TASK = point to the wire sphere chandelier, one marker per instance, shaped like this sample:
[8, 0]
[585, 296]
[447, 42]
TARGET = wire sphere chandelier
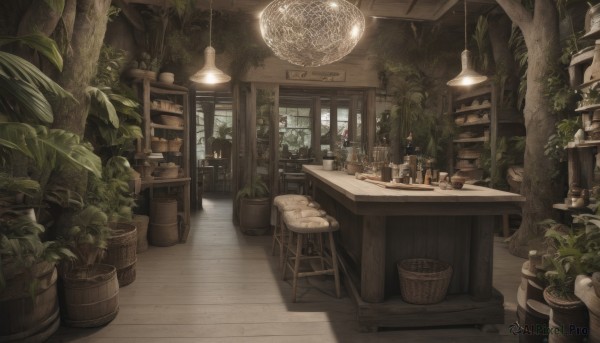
[311, 33]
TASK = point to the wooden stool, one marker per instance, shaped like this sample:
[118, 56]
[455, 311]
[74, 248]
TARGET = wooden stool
[300, 210]
[311, 225]
[282, 203]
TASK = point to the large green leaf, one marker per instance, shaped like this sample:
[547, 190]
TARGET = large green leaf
[39, 42]
[31, 103]
[18, 68]
[68, 146]
[56, 5]
[13, 136]
[100, 98]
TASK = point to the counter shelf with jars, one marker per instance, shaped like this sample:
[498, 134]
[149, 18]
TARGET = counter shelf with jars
[162, 155]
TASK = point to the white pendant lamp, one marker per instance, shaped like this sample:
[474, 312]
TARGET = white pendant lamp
[210, 74]
[468, 76]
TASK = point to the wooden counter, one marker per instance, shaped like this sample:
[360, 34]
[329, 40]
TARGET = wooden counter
[379, 227]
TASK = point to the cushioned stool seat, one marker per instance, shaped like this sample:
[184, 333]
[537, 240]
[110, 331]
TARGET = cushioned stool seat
[301, 225]
[283, 203]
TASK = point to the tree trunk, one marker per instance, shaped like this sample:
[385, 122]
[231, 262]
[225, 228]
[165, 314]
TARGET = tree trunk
[499, 31]
[80, 63]
[541, 34]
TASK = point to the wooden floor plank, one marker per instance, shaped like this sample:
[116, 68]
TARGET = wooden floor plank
[222, 286]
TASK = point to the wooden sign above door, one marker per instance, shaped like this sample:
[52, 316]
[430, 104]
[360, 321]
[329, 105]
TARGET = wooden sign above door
[316, 75]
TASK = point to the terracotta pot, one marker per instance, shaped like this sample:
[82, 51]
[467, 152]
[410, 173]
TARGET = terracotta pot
[166, 77]
[568, 313]
[255, 216]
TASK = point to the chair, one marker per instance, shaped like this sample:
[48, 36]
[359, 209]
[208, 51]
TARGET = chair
[298, 180]
[222, 164]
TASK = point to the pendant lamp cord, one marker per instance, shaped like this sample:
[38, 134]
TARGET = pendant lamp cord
[465, 24]
[210, 26]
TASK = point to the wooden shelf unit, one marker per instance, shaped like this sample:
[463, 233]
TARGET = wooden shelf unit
[147, 91]
[582, 156]
[501, 122]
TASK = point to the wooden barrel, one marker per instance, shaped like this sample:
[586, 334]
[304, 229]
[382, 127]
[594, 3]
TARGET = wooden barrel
[163, 211]
[141, 223]
[121, 251]
[27, 318]
[91, 296]
[164, 235]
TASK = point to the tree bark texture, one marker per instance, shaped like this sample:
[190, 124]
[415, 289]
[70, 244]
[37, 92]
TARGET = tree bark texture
[80, 61]
[541, 34]
[39, 17]
[499, 31]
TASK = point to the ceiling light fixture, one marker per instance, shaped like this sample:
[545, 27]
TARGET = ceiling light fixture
[311, 33]
[210, 74]
[468, 76]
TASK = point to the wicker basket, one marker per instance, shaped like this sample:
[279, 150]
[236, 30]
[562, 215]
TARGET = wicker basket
[424, 281]
[167, 172]
[175, 145]
[171, 120]
[159, 146]
[469, 154]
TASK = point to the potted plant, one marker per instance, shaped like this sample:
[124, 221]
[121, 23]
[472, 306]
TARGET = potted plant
[255, 207]
[90, 289]
[28, 302]
[113, 195]
[571, 253]
[144, 67]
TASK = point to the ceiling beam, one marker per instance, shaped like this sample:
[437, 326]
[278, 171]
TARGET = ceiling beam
[445, 8]
[410, 6]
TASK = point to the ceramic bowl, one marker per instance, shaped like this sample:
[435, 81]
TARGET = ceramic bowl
[457, 181]
[166, 77]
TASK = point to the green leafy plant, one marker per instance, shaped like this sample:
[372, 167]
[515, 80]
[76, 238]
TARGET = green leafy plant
[111, 192]
[573, 253]
[146, 62]
[88, 236]
[25, 92]
[113, 121]
[256, 188]
[557, 143]
[20, 244]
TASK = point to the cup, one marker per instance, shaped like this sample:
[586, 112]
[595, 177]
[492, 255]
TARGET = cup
[443, 176]
[328, 164]
[386, 174]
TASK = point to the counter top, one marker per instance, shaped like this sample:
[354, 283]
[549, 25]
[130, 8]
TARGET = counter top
[361, 191]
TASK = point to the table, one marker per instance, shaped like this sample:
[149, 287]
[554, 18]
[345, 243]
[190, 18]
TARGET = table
[379, 227]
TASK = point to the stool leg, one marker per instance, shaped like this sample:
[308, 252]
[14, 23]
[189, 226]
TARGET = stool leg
[285, 256]
[275, 236]
[321, 251]
[297, 265]
[282, 245]
[334, 262]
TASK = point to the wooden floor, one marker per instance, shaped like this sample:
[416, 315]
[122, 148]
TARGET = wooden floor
[223, 286]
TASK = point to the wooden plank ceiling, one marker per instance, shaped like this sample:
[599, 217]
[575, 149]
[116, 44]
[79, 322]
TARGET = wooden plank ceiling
[416, 10]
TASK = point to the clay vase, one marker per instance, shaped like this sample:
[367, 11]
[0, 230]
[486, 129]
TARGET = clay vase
[567, 312]
[592, 73]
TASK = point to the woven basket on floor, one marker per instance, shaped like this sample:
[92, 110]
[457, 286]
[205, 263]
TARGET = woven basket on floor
[424, 281]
